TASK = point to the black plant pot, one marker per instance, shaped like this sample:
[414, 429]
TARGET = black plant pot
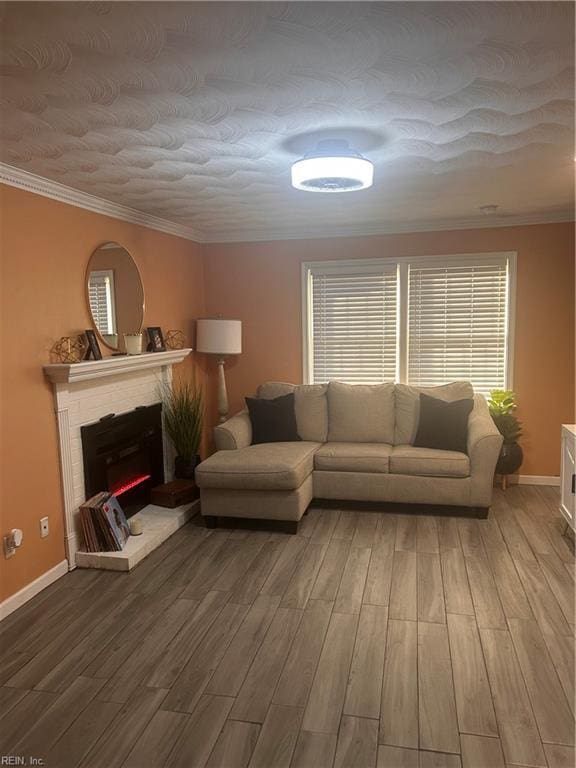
[184, 469]
[510, 459]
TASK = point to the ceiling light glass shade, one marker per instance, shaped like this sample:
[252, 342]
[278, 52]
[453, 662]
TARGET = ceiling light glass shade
[332, 167]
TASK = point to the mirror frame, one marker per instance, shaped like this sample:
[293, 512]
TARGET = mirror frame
[87, 292]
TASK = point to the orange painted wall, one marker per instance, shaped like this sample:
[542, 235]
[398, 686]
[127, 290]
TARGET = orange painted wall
[44, 249]
[259, 283]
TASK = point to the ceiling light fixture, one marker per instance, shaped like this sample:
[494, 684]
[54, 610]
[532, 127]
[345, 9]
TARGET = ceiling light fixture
[332, 167]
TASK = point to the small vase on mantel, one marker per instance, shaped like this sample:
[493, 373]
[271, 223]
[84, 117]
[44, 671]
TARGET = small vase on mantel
[133, 343]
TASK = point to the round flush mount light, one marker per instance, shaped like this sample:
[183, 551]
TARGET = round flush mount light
[332, 167]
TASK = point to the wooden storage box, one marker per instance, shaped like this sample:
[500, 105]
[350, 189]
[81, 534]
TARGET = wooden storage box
[174, 494]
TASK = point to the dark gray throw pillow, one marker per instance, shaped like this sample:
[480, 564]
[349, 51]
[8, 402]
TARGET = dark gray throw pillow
[442, 424]
[273, 420]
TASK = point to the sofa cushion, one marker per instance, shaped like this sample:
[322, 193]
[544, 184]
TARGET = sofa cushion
[353, 457]
[408, 405]
[267, 466]
[429, 462]
[443, 425]
[274, 420]
[310, 404]
[360, 413]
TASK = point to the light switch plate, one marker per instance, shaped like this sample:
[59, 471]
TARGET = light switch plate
[44, 527]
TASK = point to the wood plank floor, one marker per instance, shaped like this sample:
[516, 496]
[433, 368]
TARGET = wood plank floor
[366, 641]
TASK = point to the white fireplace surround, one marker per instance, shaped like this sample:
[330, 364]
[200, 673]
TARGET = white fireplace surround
[84, 393]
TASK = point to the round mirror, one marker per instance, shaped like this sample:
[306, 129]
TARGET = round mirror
[115, 294]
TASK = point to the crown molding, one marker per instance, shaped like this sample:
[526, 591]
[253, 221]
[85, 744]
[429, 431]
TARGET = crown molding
[16, 177]
[398, 228]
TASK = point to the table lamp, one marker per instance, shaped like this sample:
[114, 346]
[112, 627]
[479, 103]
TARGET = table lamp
[219, 337]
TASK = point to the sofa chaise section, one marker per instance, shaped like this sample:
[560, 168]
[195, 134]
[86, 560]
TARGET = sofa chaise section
[255, 481]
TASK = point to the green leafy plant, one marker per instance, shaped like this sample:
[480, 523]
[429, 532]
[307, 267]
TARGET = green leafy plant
[502, 404]
[183, 410]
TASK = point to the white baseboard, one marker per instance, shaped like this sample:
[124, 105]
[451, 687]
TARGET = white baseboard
[30, 590]
[538, 480]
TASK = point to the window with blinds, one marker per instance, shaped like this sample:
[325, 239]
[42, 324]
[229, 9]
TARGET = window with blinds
[100, 298]
[423, 321]
[457, 324]
[352, 325]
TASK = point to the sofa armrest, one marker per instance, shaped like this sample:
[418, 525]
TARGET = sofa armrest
[484, 444]
[234, 433]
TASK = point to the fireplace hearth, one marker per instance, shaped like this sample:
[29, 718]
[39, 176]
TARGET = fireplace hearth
[124, 455]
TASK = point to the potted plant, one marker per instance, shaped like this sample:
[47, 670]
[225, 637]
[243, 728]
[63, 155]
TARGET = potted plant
[183, 410]
[502, 404]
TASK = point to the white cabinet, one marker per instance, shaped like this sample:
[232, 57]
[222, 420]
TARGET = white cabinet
[567, 475]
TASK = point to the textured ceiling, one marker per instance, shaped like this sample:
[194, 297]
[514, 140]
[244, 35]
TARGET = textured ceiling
[193, 112]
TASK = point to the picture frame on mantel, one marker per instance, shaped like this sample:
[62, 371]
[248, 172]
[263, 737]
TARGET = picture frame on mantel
[155, 339]
[93, 350]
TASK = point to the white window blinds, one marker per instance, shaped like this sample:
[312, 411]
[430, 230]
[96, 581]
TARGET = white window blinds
[352, 317]
[457, 323]
[100, 297]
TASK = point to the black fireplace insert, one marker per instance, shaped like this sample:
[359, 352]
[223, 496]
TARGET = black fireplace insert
[124, 455]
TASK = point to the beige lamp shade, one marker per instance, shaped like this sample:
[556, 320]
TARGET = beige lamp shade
[219, 337]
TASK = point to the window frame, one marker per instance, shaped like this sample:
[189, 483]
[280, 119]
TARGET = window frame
[402, 264]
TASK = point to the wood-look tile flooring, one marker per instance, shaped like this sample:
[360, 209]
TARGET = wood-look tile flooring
[367, 640]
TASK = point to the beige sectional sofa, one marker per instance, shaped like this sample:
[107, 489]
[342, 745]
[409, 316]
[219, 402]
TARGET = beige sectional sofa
[356, 446]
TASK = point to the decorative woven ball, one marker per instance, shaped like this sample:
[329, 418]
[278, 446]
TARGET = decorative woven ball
[174, 340]
[68, 349]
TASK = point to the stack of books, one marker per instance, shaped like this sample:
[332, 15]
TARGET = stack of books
[104, 524]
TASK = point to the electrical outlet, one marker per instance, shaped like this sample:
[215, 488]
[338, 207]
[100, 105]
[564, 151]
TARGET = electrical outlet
[44, 527]
[12, 541]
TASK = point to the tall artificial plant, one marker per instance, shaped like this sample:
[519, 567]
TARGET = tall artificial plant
[502, 404]
[183, 410]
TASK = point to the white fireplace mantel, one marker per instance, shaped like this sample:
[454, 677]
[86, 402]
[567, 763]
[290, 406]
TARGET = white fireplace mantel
[87, 391]
[59, 373]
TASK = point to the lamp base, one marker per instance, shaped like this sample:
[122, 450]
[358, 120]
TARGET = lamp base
[222, 394]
